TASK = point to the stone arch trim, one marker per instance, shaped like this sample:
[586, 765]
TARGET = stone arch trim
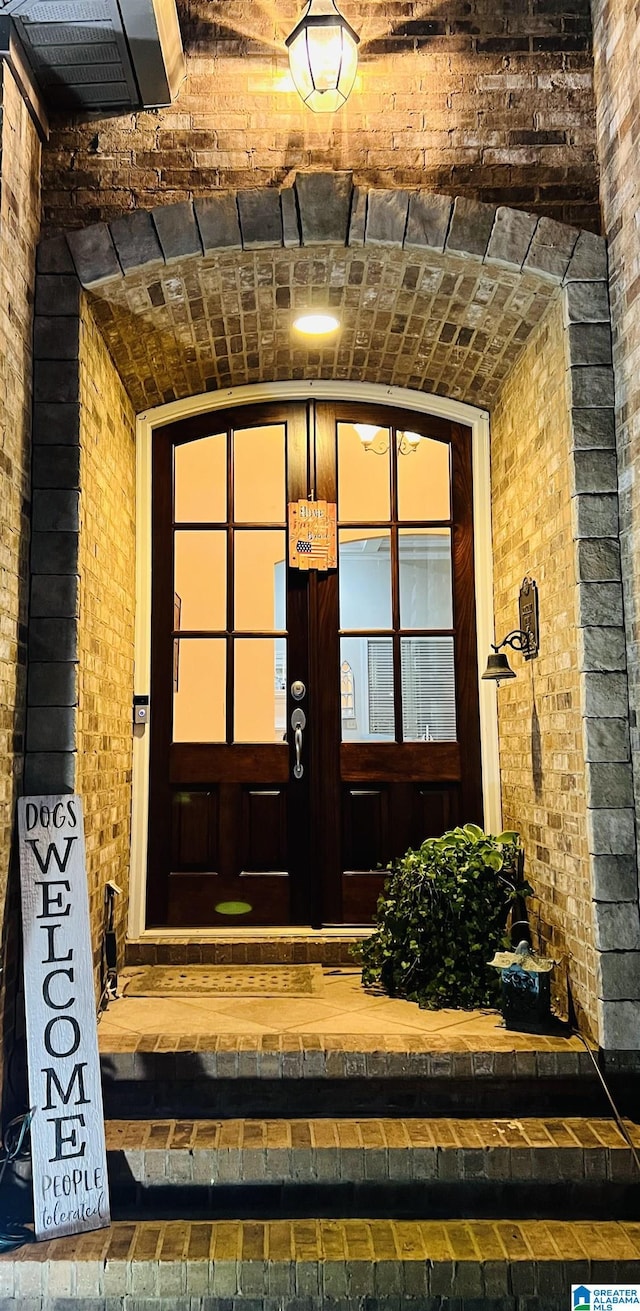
[324, 209]
[327, 210]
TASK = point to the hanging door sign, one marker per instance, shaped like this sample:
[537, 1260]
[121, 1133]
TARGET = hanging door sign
[312, 535]
[69, 1161]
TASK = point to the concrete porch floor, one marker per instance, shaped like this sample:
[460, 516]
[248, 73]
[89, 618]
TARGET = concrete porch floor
[342, 1011]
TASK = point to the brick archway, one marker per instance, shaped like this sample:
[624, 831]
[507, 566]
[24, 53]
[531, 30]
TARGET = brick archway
[435, 294]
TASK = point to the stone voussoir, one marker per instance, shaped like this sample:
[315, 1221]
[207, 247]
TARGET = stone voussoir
[260, 219]
[94, 255]
[386, 218]
[589, 259]
[551, 249]
[218, 221]
[136, 241]
[428, 221]
[511, 237]
[289, 213]
[177, 230]
[471, 227]
[358, 216]
[324, 205]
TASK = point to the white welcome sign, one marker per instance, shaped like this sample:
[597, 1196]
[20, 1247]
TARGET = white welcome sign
[69, 1163]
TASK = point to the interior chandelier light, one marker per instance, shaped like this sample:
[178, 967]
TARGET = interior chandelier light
[377, 439]
[323, 56]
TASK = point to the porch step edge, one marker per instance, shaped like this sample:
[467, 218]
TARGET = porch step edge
[158, 1154]
[348, 1057]
[315, 947]
[319, 1261]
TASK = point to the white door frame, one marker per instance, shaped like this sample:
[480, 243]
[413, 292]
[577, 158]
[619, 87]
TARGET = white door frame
[403, 398]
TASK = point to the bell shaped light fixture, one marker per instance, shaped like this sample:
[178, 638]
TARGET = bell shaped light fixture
[323, 56]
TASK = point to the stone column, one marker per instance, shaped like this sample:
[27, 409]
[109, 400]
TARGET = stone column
[53, 636]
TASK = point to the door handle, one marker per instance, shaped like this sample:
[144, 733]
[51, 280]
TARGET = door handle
[298, 723]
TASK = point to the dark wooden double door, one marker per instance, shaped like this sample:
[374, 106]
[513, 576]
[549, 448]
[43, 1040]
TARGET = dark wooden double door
[379, 655]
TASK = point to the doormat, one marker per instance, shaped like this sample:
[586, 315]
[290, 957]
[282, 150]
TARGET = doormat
[226, 980]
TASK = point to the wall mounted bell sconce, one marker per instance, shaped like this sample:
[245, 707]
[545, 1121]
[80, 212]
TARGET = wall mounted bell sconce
[526, 638]
[323, 56]
[376, 439]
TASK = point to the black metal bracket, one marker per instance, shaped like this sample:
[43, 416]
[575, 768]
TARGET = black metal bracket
[526, 638]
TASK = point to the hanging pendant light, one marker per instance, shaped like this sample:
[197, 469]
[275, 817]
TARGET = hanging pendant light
[323, 56]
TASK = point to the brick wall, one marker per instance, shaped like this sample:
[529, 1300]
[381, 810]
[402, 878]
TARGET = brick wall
[540, 721]
[618, 118]
[106, 565]
[19, 226]
[480, 100]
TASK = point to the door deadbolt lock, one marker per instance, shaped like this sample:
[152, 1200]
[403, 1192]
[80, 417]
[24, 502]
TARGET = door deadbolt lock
[298, 690]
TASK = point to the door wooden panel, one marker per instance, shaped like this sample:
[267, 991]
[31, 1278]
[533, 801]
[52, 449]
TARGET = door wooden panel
[233, 838]
[194, 830]
[366, 827]
[379, 826]
[264, 830]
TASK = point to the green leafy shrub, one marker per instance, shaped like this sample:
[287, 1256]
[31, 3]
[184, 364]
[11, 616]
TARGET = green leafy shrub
[441, 917]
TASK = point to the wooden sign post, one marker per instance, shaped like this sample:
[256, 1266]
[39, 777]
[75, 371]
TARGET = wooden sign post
[70, 1191]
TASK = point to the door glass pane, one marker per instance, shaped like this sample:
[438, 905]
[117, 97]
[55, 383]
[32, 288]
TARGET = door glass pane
[365, 578]
[199, 691]
[259, 481]
[259, 580]
[200, 580]
[423, 477]
[200, 480]
[425, 578]
[366, 689]
[428, 689]
[260, 683]
[363, 472]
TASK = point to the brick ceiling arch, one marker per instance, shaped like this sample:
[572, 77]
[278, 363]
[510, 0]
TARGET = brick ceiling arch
[432, 293]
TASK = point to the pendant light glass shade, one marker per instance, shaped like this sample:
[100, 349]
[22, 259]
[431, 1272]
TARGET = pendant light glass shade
[323, 57]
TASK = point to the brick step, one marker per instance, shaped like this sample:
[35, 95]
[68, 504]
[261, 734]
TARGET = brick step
[306, 947]
[252, 1151]
[316, 1264]
[236, 1168]
[309, 1077]
[249, 1168]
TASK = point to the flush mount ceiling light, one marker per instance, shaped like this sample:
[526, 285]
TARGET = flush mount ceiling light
[316, 323]
[323, 56]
